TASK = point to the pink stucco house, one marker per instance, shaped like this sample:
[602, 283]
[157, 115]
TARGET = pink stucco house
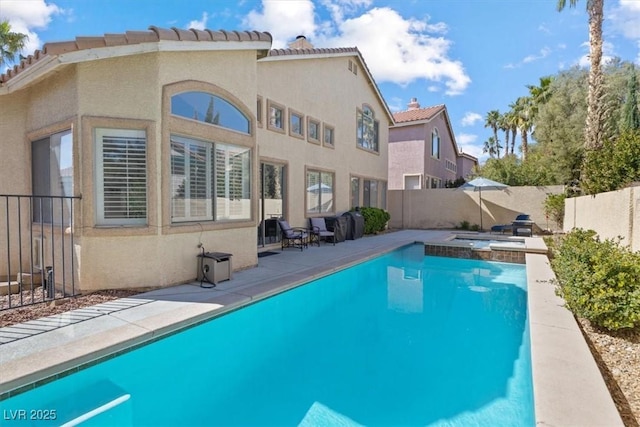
[422, 149]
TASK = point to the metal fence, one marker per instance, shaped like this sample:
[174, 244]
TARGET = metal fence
[37, 262]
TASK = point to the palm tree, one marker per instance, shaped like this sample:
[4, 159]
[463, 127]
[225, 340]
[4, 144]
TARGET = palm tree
[10, 43]
[595, 122]
[492, 121]
[510, 119]
[522, 111]
[503, 125]
[492, 146]
[539, 94]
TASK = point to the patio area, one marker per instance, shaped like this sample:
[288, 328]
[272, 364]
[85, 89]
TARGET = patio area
[568, 387]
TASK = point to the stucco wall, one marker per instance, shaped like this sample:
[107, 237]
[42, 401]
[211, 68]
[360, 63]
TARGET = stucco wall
[327, 91]
[611, 214]
[405, 158]
[447, 208]
[404, 152]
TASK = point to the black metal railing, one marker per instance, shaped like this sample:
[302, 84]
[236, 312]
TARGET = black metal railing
[37, 262]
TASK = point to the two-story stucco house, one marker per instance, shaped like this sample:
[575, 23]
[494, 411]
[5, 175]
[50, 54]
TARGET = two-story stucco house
[131, 151]
[423, 152]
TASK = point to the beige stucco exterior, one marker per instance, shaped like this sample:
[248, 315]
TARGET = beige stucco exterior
[325, 90]
[612, 214]
[133, 91]
[447, 208]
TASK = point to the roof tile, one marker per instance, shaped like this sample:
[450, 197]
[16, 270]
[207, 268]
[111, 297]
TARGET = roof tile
[417, 114]
[164, 33]
[90, 42]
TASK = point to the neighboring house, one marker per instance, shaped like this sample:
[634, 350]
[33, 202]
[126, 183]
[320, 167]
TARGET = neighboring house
[170, 137]
[422, 149]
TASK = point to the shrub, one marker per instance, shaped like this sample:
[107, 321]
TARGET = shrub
[375, 219]
[464, 225]
[599, 280]
[554, 208]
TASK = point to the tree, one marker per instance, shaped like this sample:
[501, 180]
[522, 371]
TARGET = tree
[614, 166]
[559, 125]
[492, 146]
[10, 43]
[596, 115]
[631, 114]
[492, 121]
[539, 94]
[522, 110]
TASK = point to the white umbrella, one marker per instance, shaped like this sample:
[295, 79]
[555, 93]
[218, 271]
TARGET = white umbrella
[316, 188]
[480, 184]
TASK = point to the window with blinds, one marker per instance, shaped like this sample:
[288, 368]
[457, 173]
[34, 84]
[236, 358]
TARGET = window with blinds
[190, 180]
[121, 176]
[209, 181]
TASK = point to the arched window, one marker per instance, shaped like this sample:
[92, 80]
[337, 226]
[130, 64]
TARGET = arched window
[211, 109]
[367, 129]
[435, 144]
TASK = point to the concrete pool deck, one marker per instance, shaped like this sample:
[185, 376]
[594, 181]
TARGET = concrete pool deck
[568, 387]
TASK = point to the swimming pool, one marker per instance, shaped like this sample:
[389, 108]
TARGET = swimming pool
[402, 339]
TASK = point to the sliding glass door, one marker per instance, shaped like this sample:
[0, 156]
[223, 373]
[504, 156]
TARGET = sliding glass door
[272, 202]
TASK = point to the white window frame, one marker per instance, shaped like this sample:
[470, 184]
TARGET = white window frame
[101, 219]
[435, 137]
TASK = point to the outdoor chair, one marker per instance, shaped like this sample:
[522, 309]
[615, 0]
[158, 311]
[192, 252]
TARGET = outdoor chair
[293, 237]
[319, 231]
[520, 219]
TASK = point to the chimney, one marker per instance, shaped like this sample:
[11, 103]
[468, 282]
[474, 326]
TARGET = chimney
[300, 43]
[413, 105]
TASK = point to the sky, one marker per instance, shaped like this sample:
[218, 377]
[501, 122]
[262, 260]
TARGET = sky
[473, 56]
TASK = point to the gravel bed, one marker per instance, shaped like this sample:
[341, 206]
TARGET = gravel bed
[617, 354]
[42, 309]
[618, 357]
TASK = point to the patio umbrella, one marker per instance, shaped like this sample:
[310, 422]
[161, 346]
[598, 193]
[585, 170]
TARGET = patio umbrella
[480, 184]
[316, 188]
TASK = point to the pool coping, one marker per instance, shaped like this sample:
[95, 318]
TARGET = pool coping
[568, 386]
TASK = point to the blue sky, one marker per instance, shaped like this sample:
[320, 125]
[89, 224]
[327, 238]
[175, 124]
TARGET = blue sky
[471, 55]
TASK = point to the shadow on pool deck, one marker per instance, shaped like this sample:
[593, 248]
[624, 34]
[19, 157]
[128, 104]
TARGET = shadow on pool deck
[568, 387]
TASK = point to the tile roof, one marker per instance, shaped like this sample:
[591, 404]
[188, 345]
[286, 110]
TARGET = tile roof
[153, 34]
[314, 51]
[418, 114]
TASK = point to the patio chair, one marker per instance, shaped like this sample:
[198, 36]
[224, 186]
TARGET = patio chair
[319, 230]
[501, 228]
[293, 237]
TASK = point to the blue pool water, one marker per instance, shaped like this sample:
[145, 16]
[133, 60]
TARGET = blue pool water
[403, 339]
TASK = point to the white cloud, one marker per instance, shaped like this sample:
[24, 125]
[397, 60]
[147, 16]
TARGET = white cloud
[466, 143]
[396, 104]
[400, 50]
[544, 29]
[607, 54]
[470, 119]
[544, 52]
[199, 24]
[298, 16]
[626, 18]
[27, 16]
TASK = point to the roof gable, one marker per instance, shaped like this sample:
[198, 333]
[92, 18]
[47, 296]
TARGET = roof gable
[313, 53]
[420, 116]
[51, 52]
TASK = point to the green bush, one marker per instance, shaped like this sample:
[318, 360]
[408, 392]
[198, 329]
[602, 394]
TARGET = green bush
[375, 219]
[599, 280]
[464, 225]
[554, 208]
